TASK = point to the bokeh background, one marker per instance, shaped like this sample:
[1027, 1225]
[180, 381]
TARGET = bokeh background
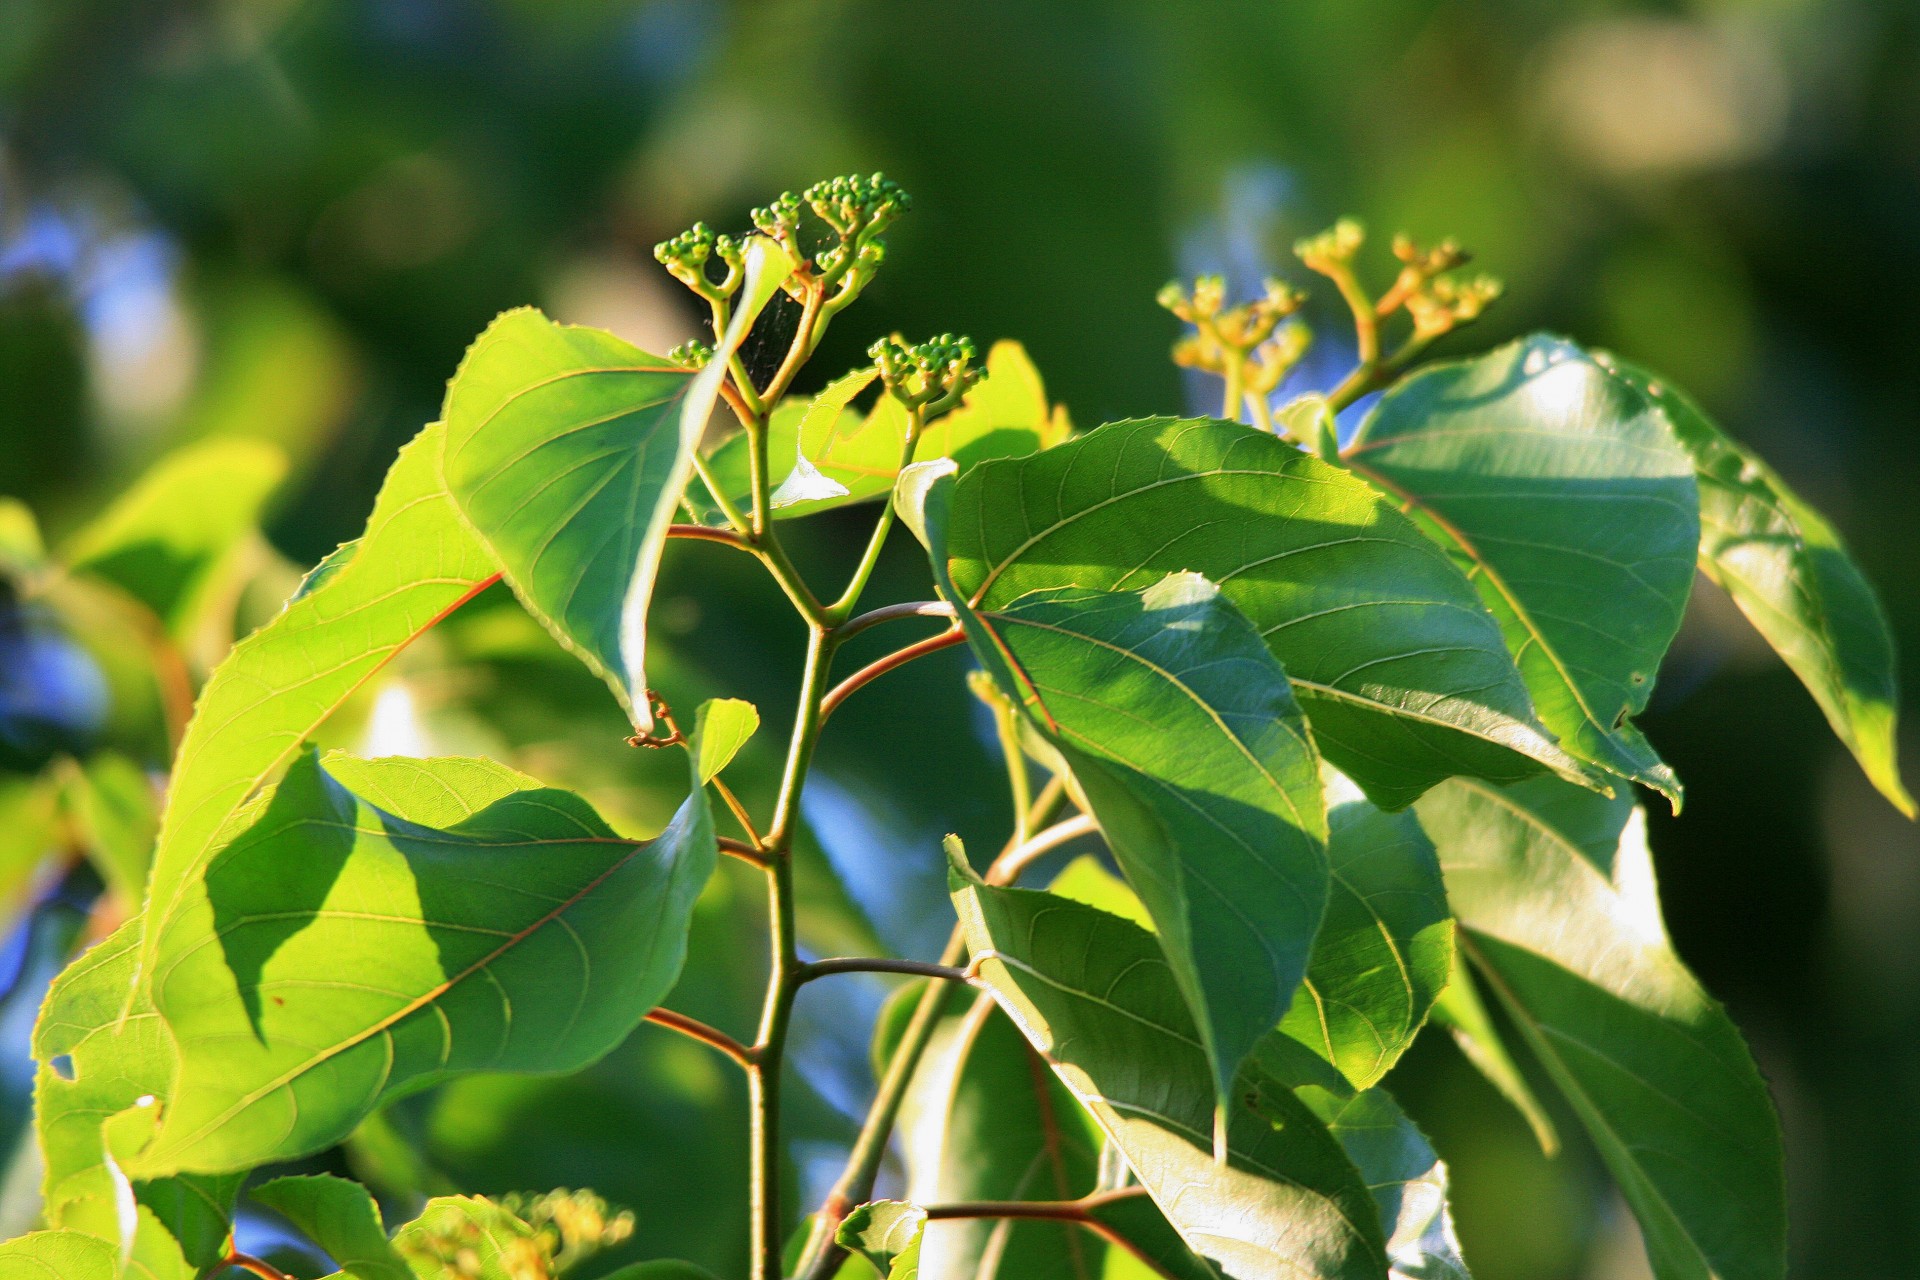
[284, 219]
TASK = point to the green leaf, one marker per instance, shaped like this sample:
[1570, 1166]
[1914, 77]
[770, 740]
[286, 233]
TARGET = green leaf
[1555, 895]
[415, 564]
[1384, 950]
[1460, 1011]
[1789, 572]
[721, 727]
[1086, 880]
[567, 451]
[983, 1119]
[467, 1236]
[1005, 415]
[1408, 1181]
[1397, 663]
[169, 539]
[1573, 507]
[100, 1060]
[116, 817]
[341, 1218]
[22, 552]
[1094, 995]
[888, 1234]
[382, 924]
[1183, 735]
[58, 1255]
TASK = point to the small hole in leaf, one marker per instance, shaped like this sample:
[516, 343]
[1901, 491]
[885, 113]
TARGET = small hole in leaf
[62, 1066]
[1621, 718]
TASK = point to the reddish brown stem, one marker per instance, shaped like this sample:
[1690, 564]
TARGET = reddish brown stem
[701, 533]
[742, 850]
[700, 1031]
[874, 670]
[247, 1262]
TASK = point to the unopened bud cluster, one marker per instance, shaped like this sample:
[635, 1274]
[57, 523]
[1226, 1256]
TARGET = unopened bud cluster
[571, 1225]
[932, 375]
[1435, 299]
[1249, 339]
[687, 257]
[692, 354]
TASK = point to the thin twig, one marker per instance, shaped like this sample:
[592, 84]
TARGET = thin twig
[698, 1030]
[1077, 1213]
[247, 1262]
[893, 612]
[739, 811]
[742, 850]
[1007, 867]
[702, 533]
[898, 658]
[881, 964]
[1063, 1210]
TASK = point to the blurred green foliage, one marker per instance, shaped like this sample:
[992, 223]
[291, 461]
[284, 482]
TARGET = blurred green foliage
[284, 219]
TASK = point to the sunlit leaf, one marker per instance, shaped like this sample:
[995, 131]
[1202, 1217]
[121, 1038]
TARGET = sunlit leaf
[1093, 993]
[381, 924]
[1182, 733]
[1397, 663]
[116, 816]
[59, 1255]
[1566, 497]
[168, 539]
[887, 1233]
[567, 451]
[1383, 952]
[101, 1059]
[1787, 569]
[341, 1218]
[1005, 415]
[414, 565]
[1555, 895]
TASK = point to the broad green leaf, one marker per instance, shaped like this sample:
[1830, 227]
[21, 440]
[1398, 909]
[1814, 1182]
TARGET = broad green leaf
[1565, 495]
[1460, 1010]
[469, 1237]
[1555, 895]
[1093, 993]
[168, 539]
[1183, 735]
[660, 1269]
[116, 817]
[567, 451]
[1005, 415]
[1408, 1181]
[99, 1060]
[984, 1119]
[341, 1218]
[1310, 421]
[58, 1255]
[29, 833]
[382, 924]
[1383, 952]
[888, 1234]
[1789, 572]
[415, 564]
[1397, 663]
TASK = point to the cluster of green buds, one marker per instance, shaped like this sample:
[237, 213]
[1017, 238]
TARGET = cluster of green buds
[571, 1226]
[930, 377]
[854, 210]
[687, 255]
[1248, 345]
[692, 354]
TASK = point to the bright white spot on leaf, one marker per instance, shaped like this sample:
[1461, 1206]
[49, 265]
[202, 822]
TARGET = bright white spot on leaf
[807, 483]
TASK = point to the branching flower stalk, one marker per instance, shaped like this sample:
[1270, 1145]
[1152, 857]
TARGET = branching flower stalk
[832, 230]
